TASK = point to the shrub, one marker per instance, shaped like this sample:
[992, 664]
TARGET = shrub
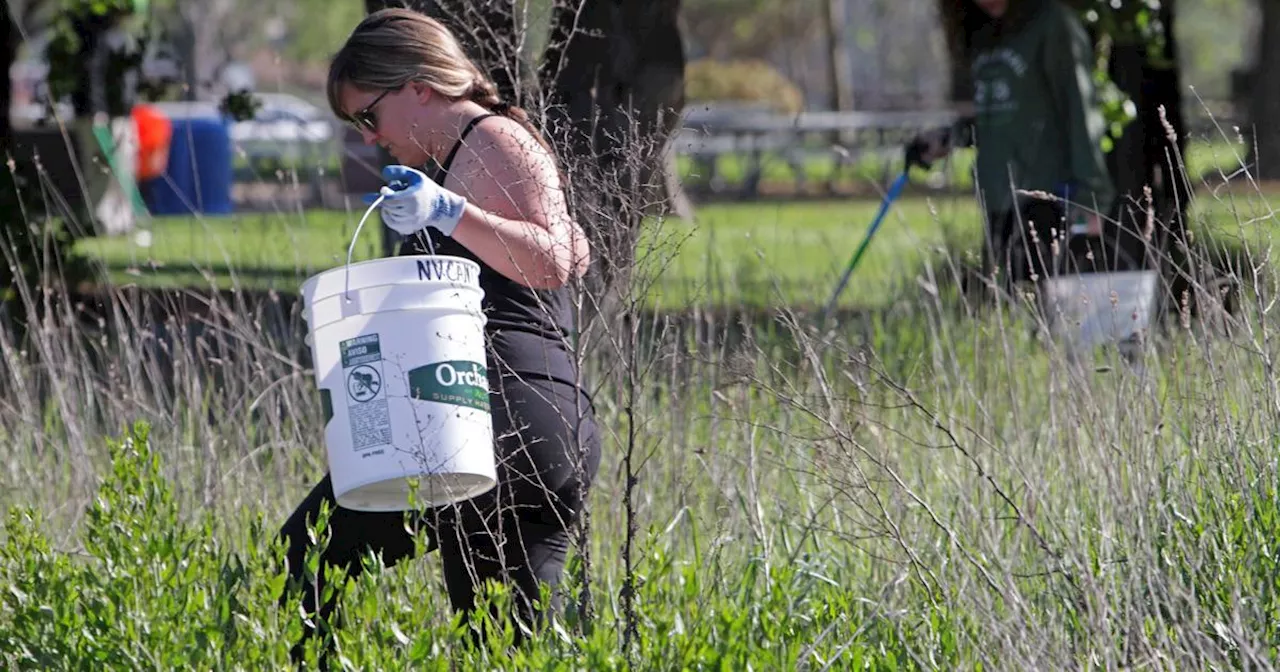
[146, 586]
[747, 81]
[147, 591]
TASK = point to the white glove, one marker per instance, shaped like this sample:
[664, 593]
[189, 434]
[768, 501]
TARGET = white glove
[416, 202]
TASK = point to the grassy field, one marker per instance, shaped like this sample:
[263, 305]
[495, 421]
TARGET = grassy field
[750, 255]
[944, 489]
[947, 494]
[755, 254]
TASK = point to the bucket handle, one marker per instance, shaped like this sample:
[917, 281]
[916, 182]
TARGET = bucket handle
[382, 195]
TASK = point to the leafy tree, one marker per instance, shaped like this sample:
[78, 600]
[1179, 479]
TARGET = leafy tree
[745, 81]
[1139, 67]
[725, 29]
[316, 27]
[33, 245]
[93, 51]
[1264, 106]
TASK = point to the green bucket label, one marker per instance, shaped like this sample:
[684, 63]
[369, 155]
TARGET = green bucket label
[460, 383]
[326, 405]
[361, 350]
[367, 410]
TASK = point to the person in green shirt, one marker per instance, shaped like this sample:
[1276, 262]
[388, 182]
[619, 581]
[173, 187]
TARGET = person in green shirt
[1036, 126]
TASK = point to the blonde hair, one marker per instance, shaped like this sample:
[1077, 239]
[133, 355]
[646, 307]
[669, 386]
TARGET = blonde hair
[395, 46]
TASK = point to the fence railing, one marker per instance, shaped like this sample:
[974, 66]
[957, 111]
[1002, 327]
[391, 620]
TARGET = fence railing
[839, 139]
[799, 140]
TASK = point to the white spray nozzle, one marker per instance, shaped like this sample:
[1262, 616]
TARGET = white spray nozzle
[387, 191]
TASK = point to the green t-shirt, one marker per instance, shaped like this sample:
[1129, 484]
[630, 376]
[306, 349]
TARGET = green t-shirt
[1036, 121]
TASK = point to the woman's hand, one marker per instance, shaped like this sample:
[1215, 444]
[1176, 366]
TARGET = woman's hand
[928, 147]
[413, 202]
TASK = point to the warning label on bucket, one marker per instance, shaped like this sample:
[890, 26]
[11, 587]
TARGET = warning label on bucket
[367, 410]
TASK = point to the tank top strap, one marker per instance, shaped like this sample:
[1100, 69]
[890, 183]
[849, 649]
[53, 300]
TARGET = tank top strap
[443, 171]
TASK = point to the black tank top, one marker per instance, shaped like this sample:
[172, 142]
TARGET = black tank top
[528, 329]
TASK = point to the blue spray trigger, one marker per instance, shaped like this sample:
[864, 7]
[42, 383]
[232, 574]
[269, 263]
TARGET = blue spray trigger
[392, 187]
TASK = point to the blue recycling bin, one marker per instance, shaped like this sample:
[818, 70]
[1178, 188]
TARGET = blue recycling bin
[199, 176]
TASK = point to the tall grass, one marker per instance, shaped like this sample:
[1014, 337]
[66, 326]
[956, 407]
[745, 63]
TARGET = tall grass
[934, 487]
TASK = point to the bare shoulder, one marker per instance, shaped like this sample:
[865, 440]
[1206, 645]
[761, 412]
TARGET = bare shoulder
[502, 167]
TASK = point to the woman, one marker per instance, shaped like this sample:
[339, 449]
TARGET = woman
[403, 81]
[1035, 124]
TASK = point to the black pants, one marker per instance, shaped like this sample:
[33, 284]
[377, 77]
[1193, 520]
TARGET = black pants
[1021, 255]
[548, 452]
[1018, 243]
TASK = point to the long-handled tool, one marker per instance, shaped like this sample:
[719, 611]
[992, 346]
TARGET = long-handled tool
[894, 190]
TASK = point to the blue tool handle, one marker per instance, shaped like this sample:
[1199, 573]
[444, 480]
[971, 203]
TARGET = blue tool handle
[894, 190]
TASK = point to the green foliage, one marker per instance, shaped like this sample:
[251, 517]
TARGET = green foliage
[1122, 22]
[746, 81]
[1129, 22]
[316, 28]
[1183, 562]
[65, 52]
[749, 28]
[1117, 108]
[1220, 542]
[145, 590]
[933, 488]
[36, 249]
[151, 588]
[240, 105]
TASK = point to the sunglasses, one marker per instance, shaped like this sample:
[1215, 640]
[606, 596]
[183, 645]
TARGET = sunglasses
[366, 119]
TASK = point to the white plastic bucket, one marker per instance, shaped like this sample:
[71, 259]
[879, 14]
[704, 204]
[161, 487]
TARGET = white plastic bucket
[399, 354]
[1089, 309]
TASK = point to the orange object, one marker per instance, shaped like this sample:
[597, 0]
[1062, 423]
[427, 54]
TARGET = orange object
[155, 132]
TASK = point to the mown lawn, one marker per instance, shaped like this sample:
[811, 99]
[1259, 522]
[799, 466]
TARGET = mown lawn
[750, 254]
[757, 253]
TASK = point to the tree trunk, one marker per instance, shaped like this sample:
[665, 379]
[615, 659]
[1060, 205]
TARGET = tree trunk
[953, 32]
[614, 80]
[674, 199]
[1144, 157]
[9, 41]
[490, 31]
[12, 224]
[1127, 160]
[1265, 106]
[840, 79]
